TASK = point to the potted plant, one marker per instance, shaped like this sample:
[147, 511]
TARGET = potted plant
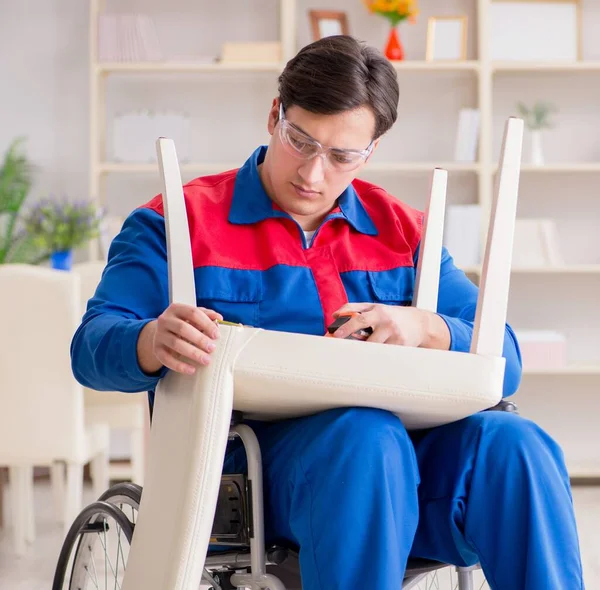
[59, 227]
[537, 118]
[16, 173]
[395, 11]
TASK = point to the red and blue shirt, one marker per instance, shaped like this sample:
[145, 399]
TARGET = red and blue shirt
[252, 264]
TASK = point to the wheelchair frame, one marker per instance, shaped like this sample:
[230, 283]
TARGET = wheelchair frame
[259, 558]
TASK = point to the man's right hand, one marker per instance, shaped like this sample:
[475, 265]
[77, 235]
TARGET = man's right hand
[181, 338]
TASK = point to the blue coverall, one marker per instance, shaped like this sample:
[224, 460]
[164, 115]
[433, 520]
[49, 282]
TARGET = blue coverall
[355, 491]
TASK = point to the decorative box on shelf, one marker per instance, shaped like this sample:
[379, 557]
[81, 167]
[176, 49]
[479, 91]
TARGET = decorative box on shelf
[542, 349]
[135, 133]
[251, 52]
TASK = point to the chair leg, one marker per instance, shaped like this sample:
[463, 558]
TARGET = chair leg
[465, 578]
[18, 510]
[99, 474]
[28, 482]
[57, 483]
[73, 500]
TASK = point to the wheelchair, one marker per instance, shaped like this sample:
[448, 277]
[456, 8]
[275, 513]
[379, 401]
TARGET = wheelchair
[106, 525]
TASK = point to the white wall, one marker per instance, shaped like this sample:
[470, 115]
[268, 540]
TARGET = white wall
[43, 89]
[44, 95]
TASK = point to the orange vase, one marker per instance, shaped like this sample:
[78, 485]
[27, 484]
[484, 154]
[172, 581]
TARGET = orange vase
[394, 50]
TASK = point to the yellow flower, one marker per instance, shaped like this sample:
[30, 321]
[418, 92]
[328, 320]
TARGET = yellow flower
[402, 8]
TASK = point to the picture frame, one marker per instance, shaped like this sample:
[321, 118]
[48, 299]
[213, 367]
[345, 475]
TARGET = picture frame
[447, 38]
[325, 23]
[536, 30]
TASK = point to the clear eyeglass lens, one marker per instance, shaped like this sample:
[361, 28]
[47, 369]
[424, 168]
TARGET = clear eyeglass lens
[301, 146]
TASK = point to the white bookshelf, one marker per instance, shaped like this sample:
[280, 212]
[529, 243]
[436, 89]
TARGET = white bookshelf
[483, 75]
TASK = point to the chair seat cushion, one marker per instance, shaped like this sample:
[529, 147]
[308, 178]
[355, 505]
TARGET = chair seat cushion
[280, 375]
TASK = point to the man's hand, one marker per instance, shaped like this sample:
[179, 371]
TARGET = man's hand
[406, 326]
[182, 337]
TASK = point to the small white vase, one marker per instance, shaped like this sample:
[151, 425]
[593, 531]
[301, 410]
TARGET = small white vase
[537, 154]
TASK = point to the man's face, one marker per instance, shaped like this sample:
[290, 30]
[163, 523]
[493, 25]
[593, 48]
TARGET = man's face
[307, 188]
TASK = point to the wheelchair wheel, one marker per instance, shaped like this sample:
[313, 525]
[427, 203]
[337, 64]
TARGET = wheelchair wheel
[94, 553]
[126, 496]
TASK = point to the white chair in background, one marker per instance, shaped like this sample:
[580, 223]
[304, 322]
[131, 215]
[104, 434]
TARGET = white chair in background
[121, 411]
[42, 418]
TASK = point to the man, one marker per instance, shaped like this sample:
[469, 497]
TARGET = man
[286, 243]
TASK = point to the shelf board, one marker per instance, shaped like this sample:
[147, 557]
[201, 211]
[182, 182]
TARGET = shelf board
[534, 66]
[568, 370]
[208, 67]
[126, 167]
[186, 67]
[563, 167]
[563, 269]
[559, 167]
[435, 66]
[422, 166]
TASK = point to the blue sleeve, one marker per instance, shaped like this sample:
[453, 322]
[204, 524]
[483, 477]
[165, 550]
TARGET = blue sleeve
[457, 303]
[133, 291]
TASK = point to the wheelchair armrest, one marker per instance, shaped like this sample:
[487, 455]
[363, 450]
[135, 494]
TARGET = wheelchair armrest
[504, 406]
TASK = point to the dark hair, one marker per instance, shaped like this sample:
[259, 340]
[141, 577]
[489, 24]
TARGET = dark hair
[339, 73]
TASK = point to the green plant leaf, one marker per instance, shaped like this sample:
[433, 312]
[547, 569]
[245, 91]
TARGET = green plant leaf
[538, 116]
[15, 178]
[57, 226]
[16, 174]
[24, 250]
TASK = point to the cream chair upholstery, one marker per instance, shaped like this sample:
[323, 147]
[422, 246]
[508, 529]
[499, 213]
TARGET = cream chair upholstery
[121, 411]
[275, 375]
[42, 417]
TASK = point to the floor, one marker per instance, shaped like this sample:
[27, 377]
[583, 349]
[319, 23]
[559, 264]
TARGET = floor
[35, 570]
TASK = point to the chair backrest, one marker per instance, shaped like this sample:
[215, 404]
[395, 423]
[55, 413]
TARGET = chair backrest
[42, 404]
[90, 273]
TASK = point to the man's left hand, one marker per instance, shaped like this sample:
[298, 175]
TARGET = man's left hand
[406, 326]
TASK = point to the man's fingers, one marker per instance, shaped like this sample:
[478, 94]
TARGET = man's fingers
[367, 319]
[174, 363]
[380, 335]
[200, 320]
[186, 331]
[350, 307]
[213, 315]
[191, 352]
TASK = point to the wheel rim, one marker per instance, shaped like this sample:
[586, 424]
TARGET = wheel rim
[99, 527]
